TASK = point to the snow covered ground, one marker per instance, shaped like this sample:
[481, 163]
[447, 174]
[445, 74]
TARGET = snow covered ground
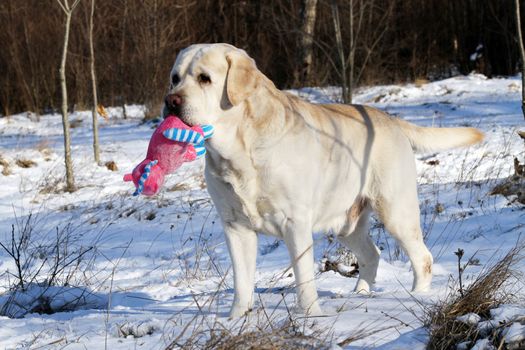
[157, 269]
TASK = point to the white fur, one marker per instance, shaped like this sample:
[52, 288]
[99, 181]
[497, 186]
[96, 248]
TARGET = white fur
[284, 167]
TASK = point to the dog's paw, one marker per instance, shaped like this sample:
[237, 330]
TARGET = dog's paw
[239, 311]
[422, 289]
[312, 310]
[315, 311]
[362, 287]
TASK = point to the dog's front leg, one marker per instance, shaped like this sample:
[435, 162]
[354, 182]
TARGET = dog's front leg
[242, 244]
[299, 240]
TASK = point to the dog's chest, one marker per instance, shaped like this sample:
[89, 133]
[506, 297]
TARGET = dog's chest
[248, 194]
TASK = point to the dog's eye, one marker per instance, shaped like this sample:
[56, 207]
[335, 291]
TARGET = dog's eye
[204, 78]
[175, 79]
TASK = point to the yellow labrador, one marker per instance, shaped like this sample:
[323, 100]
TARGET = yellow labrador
[285, 167]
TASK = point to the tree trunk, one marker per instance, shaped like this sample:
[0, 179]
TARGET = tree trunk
[96, 151]
[70, 181]
[308, 16]
[352, 54]
[340, 50]
[522, 55]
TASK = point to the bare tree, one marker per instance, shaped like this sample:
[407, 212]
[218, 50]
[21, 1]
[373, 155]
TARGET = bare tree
[522, 55]
[136, 41]
[68, 11]
[364, 33]
[308, 16]
[96, 151]
[371, 33]
[354, 36]
[340, 50]
[351, 54]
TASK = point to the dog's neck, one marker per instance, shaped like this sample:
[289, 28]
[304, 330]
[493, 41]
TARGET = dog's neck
[247, 125]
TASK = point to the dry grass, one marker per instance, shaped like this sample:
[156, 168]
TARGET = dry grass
[513, 185]
[512, 188]
[111, 165]
[51, 185]
[282, 338]
[102, 112]
[25, 163]
[260, 330]
[75, 123]
[6, 170]
[181, 186]
[486, 292]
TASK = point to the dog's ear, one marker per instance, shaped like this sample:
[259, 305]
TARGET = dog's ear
[243, 77]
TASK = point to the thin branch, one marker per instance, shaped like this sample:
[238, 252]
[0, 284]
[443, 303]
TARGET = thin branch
[75, 4]
[340, 49]
[62, 6]
[522, 55]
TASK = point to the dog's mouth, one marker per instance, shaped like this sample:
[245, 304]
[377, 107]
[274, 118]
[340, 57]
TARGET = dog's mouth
[185, 121]
[180, 118]
[182, 113]
[178, 115]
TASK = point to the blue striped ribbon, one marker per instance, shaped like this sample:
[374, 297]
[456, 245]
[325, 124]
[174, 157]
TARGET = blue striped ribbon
[144, 177]
[190, 136]
[183, 135]
[207, 130]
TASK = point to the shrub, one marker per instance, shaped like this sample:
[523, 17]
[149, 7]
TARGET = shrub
[447, 320]
[45, 271]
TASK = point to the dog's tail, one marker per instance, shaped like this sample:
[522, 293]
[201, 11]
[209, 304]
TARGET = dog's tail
[438, 139]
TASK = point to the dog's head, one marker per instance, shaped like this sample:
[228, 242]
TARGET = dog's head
[209, 80]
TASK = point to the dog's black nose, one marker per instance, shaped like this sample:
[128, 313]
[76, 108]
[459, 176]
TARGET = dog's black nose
[173, 101]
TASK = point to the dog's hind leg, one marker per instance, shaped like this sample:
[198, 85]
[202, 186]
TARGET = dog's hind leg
[354, 235]
[401, 219]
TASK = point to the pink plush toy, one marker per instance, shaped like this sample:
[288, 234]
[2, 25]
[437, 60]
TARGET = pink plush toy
[172, 144]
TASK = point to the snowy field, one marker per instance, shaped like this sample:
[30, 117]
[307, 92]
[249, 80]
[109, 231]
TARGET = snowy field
[151, 272]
